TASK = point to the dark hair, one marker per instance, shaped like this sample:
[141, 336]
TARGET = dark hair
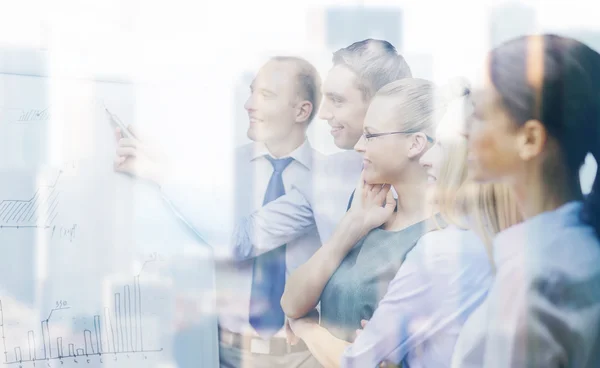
[308, 81]
[563, 93]
[375, 63]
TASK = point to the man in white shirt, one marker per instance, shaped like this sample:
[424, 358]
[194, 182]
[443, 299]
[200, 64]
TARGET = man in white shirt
[285, 95]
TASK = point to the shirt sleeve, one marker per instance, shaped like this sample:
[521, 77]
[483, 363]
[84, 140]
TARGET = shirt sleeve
[395, 324]
[211, 215]
[527, 329]
[430, 292]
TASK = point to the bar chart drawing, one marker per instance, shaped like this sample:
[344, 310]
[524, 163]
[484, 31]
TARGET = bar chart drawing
[116, 332]
[39, 211]
[45, 332]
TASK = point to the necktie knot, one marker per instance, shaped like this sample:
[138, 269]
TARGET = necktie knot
[279, 164]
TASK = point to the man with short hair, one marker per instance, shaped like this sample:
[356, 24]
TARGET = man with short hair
[358, 71]
[284, 98]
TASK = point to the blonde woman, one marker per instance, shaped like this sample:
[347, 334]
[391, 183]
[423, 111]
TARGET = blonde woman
[453, 263]
[443, 278]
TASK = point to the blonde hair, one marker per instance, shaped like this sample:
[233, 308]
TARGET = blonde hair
[421, 107]
[485, 208]
[423, 104]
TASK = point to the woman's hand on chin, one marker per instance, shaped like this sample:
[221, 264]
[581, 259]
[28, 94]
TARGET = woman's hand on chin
[373, 204]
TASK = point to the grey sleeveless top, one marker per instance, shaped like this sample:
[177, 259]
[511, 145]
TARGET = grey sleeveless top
[360, 282]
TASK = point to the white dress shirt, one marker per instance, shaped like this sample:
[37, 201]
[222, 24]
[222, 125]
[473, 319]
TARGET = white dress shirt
[213, 206]
[442, 280]
[308, 204]
[322, 204]
[543, 309]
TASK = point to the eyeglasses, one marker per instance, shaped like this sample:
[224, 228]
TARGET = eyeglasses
[375, 135]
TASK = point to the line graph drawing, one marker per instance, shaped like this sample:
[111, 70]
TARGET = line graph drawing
[116, 332]
[38, 211]
[15, 115]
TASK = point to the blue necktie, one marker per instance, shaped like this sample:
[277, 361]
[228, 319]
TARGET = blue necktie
[268, 276]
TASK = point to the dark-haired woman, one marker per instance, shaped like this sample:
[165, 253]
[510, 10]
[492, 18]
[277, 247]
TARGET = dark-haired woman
[537, 116]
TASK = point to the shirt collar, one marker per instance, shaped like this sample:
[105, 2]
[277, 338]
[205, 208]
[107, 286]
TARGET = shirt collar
[535, 231]
[302, 154]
